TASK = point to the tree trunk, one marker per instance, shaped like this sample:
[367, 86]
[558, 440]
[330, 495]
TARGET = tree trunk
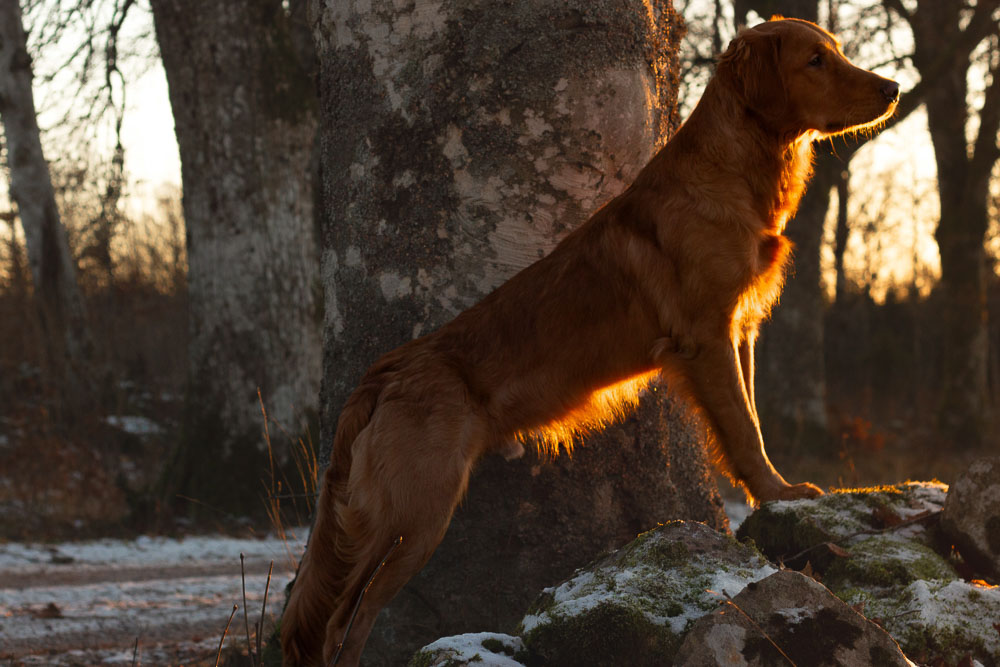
[462, 141]
[244, 107]
[840, 236]
[942, 44]
[53, 272]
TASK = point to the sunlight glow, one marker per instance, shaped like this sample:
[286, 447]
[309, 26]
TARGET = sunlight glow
[603, 407]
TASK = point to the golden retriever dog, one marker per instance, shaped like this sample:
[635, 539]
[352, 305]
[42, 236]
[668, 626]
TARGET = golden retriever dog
[672, 277]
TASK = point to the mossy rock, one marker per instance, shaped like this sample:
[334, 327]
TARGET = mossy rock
[886, 561]
[635, 605]
[791, 531]
[482, 649]
[937, 620]
[796, 613]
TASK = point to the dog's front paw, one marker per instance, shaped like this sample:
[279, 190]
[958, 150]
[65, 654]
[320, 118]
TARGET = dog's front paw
[798, 491]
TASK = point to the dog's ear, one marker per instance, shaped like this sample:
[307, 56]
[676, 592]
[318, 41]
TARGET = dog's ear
[751, 66]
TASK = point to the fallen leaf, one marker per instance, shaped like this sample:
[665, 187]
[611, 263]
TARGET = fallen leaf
[48, 611]
[838, 550]
[885, 517]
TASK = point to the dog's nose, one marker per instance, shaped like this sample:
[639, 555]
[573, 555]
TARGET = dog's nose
[891, 90]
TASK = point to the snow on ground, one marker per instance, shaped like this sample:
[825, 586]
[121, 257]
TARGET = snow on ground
[737, 510]
[100, 596]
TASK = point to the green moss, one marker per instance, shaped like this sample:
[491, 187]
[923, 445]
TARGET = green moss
[497, 646]
[940, 620]
[421, 659]
[651, 549]
[784, 530]
[779, 532]
[427, 658]
[884, 562]
[607, 635]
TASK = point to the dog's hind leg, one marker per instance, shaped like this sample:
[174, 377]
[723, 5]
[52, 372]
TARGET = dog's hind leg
[406, 479]
[716, 380]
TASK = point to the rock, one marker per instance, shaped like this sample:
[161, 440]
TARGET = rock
[483, 649]
[791, 612]
[793, 531]
[972, 516]
[900, 577]
[662, 599]
[885, 561]
[937, 621]
[634, 606]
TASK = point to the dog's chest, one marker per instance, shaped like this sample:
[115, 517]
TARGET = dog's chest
[765, 277]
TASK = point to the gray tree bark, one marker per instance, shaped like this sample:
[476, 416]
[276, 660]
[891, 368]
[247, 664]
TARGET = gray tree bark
[244, 108]
[461, 141]
[53, 272]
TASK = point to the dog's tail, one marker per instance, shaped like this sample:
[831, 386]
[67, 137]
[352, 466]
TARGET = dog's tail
[321, 577]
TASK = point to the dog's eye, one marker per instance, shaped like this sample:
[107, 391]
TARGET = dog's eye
[815, 61]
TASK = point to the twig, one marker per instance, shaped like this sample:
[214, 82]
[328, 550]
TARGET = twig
[759, 629]
[357, 605]
[292, 496]
[260, 629]
[246, 618]
[135, 651]
[218, 656]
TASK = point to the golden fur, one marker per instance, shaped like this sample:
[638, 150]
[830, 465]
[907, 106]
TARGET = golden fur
[673, 276]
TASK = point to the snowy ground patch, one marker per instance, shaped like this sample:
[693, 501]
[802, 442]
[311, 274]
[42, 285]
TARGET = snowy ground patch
[99, 596]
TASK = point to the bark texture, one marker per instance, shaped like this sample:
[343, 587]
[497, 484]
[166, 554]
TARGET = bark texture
[53, 271]
[461, 141]
[942, 50]
[244, 108]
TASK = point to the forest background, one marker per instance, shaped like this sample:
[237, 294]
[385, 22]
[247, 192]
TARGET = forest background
[160, 362]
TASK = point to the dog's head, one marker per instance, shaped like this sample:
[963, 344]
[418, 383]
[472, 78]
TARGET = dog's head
[792, 75]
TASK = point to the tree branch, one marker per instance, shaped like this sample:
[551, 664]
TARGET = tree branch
[897, 6]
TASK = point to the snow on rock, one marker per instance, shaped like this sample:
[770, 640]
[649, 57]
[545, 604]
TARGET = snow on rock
[788, 530]
[881, 551]
[482, 649]
[634, 605]
[890, 559]
[938, 619]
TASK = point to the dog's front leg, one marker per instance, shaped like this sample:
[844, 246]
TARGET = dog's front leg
[719, 385]
[748, 365]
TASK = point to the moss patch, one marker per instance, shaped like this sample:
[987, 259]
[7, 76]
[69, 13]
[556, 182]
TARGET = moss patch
[641, 600]
[784, 529]
[882, 561]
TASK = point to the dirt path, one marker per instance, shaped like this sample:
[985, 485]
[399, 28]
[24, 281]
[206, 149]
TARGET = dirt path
[87, 603]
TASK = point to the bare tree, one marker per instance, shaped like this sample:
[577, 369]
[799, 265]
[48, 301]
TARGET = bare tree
[946, 34]
[244, 107]
[53, 272]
